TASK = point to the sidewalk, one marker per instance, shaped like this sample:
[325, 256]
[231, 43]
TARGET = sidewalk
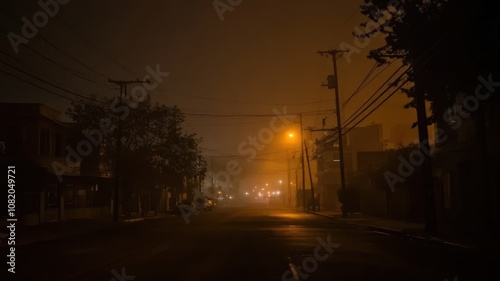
[26, 235]
[446, 236]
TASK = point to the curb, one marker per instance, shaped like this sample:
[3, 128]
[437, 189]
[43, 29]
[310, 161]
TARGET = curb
[401, 233]
[110, 224]
[434, 240]
[58, 236]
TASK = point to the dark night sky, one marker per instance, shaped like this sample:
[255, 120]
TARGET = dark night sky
[262, 56]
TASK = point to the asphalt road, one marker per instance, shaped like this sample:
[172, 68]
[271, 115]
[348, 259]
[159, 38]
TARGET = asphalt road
[247, 242]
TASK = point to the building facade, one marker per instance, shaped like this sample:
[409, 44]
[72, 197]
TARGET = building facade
[358, 139]
[53, 182]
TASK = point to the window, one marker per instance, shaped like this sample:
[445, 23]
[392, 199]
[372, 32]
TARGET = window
[51, 196]
[81, 198]
[70, 195]
[44, 141]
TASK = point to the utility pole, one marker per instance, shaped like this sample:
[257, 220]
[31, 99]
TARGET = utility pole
[289, 178]
[297, 203]
[313, 201]
[428, 181]
[302, 143]
[123, 94]
[333, 84]
[431, 226]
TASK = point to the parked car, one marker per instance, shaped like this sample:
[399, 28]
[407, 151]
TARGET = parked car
[201, 204]
[210, 204]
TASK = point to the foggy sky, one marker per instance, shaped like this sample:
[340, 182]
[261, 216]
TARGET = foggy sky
[261, 57]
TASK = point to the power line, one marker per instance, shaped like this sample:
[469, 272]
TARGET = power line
[362, 86]
[229, 124]
[418, 63]
[354, 116]
[69, 70]
[72, 58]
[40, 87]
[358, 89]
[183, 95]
[10, 14]
[80, 35]
[237, 101]
[55, 86]
[203, 115]
[348, 129]
[370, 72]
[349, 120]
[381, 103]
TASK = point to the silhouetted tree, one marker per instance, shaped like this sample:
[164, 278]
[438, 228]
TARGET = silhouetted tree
[155, 151]
[447, 43]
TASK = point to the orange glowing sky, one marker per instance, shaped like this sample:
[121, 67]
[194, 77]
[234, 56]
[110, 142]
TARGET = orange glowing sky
[261, 57]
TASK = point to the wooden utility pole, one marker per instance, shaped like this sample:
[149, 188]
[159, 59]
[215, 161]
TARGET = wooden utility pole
[333, 84]
[302, 143]
[123, 94]
[289, 178]
[313, 201]
[431, 226]
[427, 179]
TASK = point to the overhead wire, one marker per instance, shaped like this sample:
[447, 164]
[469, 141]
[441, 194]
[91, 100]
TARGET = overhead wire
[360, 86]
[82, 37]
[216, 115]
[42, 38]
[68, 69]
[348, 120]
[381, 103]
[81, 95]
[418, 63]
[40, 87]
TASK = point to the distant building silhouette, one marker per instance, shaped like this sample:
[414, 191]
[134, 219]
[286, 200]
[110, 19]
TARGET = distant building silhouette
[369, 138]
[33, 139]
